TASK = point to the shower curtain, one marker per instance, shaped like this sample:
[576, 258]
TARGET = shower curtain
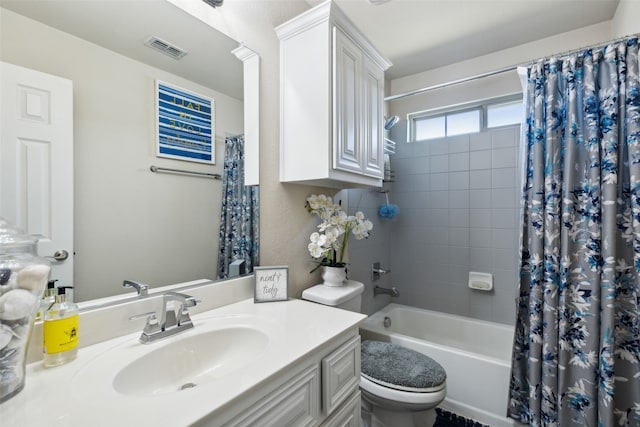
[577, 346]
[239, 217]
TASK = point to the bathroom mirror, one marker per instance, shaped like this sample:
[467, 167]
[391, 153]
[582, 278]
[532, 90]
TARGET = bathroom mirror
[130, 223]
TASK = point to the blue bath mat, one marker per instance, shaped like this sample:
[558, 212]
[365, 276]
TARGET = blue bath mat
[449, 419]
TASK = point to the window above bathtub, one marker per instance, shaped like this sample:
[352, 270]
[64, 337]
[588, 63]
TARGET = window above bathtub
[465, 119]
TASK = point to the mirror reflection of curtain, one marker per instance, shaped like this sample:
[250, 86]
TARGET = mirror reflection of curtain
[576, 357]
[239, 218]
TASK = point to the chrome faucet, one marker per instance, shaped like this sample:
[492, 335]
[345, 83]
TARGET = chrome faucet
[170, 323]
[377, 290]
[169, 318]
[377, 272]
[141, 288]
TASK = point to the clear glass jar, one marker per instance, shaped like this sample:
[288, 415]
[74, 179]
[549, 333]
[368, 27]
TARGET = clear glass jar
[23, 279]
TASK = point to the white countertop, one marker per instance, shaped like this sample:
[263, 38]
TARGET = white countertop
[52, 397]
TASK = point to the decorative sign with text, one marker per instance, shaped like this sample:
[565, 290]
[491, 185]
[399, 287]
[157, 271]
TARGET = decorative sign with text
[184, 124]
[271, 283]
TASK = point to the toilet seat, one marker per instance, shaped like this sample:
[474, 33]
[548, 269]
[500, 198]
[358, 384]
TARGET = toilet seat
[387, 396]
[397, 377]
[403, 388]
[400, 367]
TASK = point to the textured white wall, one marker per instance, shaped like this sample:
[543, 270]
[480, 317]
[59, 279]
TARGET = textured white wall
[626, 21]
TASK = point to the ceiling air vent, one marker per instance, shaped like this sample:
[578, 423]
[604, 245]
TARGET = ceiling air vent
[164, 47]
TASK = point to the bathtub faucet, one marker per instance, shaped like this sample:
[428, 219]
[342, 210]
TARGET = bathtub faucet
[377, 271]
[377, 290]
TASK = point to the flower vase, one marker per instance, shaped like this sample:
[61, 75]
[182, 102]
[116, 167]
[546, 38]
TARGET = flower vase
[334, 276]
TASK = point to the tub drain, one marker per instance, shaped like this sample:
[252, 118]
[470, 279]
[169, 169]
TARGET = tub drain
[187, 385]
[387, 321]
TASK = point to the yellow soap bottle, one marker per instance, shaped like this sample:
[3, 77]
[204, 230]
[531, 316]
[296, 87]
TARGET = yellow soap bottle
[60, 331]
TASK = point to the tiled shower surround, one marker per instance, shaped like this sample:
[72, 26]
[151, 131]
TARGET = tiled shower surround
[459, 208]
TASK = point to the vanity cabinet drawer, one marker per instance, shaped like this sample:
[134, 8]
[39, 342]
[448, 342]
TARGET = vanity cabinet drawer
[296, 403]
[348, 415]
[340, 374]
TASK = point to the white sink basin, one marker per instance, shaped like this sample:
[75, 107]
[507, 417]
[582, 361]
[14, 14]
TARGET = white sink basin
[191, 361]
[216, 350]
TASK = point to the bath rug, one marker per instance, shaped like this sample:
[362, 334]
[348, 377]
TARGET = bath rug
[449, 419]
[400, 367]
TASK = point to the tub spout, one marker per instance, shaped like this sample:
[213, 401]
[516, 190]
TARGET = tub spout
[377, 290]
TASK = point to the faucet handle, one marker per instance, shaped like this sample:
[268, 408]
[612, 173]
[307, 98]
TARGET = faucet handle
[185, 318]
[141, 315]
[152, 325]
[377, 271]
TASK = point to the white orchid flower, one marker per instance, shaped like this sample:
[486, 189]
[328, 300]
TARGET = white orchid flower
[315, 250]
[319, 239]
[331, 240]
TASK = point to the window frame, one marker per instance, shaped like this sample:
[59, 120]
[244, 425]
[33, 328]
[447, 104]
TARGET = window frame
[499, 103]
[481, 106]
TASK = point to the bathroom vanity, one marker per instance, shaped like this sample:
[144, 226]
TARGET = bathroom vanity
[270, 364]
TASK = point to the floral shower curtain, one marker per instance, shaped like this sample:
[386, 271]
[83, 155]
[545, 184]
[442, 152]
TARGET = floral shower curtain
[239, 218]
[577, 343]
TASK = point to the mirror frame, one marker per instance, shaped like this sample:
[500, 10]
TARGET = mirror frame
[251, 66]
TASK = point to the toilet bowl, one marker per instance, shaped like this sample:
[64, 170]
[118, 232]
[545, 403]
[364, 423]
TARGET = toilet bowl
[401, 400]
[396, 383]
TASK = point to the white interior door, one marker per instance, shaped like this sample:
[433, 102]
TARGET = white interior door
[36, 161]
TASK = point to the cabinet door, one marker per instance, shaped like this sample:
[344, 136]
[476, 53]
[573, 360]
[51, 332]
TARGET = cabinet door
[340, 374]
[372, 132]
[348, 415]
[346, 101]
[296, 403]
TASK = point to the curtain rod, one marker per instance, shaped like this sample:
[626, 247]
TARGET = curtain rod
[451, 83]
[501, 70]
[156, 169]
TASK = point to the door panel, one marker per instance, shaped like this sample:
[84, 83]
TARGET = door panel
[347, 115]
[372, 121]
[36, 160]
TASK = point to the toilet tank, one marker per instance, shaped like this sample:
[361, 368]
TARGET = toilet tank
[346, 297]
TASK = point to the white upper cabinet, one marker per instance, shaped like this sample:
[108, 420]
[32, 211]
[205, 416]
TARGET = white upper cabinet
[331, 101]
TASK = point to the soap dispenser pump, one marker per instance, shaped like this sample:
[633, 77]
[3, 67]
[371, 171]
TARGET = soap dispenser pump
[60, 331]
[48, 299]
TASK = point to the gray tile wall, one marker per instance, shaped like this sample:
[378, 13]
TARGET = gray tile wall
[459, 207]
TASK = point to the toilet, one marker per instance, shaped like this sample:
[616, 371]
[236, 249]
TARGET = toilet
[400, 387]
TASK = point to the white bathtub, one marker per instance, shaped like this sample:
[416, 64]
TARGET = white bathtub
[476, 355]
